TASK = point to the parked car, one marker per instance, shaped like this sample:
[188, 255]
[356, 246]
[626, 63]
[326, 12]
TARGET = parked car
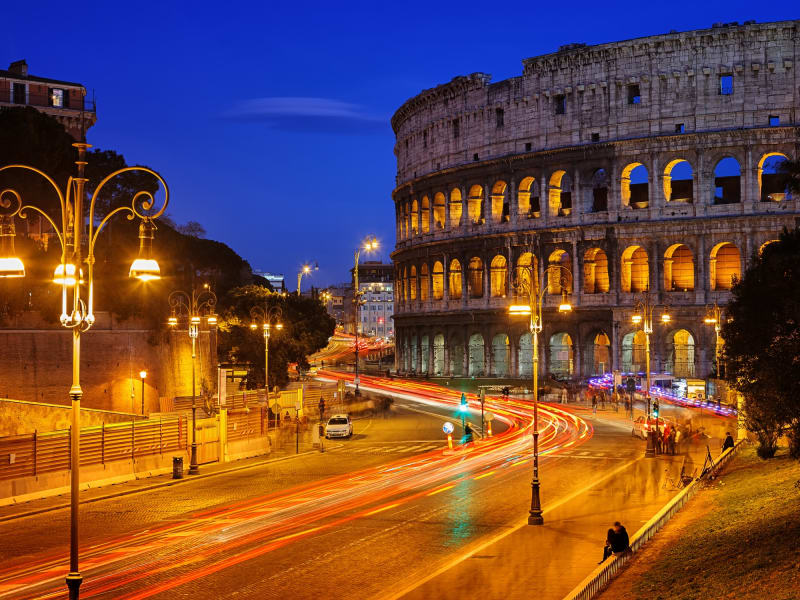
[641, 428]
[339, 426]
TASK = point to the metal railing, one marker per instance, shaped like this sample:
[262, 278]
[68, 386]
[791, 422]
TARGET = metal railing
[38, 453]
[602, 575]
[45, 101]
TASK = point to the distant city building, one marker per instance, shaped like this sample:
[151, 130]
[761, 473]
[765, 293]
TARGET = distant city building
[375, 280]
[340, 303]
[276, 280]
[64, 100]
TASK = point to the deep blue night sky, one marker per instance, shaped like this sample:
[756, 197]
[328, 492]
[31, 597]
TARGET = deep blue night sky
[206, 94]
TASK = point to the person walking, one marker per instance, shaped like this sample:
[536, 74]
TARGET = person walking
[672, 438]
[728, 443]
[594, 404]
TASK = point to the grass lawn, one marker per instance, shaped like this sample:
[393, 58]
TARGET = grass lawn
[739, 539]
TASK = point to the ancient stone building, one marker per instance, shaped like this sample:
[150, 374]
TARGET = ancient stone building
[649, 164]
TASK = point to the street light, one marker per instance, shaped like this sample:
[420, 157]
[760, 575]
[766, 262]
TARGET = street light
[533, 309]
[267, 316]
[142, 376]
[714, 317]
[643, 315]
[370, 244]
[195, 307]
[305, 271]
[77, 295]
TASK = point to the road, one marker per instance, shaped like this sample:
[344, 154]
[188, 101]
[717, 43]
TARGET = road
[362, 520]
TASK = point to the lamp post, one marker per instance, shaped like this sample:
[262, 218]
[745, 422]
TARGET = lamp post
[194, 307]
[369, 244]
[643, 315]
[142, 376]
[267, 316]
[531, 287]
[305, 271]
[77, 294]
[714, 317]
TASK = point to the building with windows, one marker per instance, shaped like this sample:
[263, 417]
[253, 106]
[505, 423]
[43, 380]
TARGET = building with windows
[63, 100]
[375, 280]
[648, 164]
[276, 280]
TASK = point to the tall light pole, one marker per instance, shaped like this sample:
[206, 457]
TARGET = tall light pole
[142, 376]
[194, 306]
[369, 244]
[643, 315]
[267, 316]
[714, 317]
[304, 272]
[77, 294]
[532, 288]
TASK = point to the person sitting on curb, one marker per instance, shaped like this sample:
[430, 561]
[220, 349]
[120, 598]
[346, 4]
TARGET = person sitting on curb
[607, 547]
[619, 540]
[728, 443]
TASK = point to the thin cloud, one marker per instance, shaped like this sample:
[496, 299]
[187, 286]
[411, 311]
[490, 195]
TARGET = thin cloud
[313, 115]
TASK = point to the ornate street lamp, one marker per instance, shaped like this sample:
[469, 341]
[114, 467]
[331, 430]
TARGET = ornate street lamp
[194, 307]
[643, 315]
[77, 295]
[268, 317]
[714, 317]
[531, 288]
[370, 244]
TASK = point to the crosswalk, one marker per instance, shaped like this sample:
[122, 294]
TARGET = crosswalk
[354, 448]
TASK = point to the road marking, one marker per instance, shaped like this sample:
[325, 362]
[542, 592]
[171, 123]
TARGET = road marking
[434, 492]
[484, 475]
[520, 462]
[381, 509]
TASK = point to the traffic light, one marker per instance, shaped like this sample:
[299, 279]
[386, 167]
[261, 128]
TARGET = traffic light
[655, 408]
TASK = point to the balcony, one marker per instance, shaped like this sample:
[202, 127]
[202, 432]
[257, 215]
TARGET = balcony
[7, 97]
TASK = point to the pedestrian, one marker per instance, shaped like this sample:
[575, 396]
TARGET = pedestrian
[594, 404]
[563, 395]
[620, 543]
[607, 546]
[467, 433]
[728, 443]
[602, 400]
[676, 439]
[673, 435]
[665, 438]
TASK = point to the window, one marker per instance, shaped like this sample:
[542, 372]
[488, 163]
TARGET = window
[527, 146]
[57, 98]
[595, 137]
[774, 120]
[475, 156]
[560, 103]
[725, 85]
[634, 97]
[680, 128]
[456, 128]
[499, 115]
[19, 93]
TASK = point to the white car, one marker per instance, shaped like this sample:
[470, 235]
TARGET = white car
[641, 427]
[339, 426]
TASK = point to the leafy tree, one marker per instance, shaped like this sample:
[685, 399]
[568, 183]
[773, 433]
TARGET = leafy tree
[762, 341]
[791, 169]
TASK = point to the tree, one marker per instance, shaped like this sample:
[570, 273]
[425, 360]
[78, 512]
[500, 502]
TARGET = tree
[791, 168]
[762, 340]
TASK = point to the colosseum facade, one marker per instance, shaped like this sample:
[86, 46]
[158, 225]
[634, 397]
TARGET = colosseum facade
[648, 164]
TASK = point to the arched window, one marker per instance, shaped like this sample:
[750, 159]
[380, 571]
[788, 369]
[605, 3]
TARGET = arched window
[635, 273]
[424, 282]
[425, 353]
[725, 266]
[528, 199]
[438, 210]
[437, 281]
[527, 265]
[561, 355]
[678, 182]
[595, 272]
[475, 279]
[456, 356]
[600, 191]
[559, 192]
[499, 204]
[557, 276]
[599, 355]
[501, 355]
[525, 356]
[405, 286]
[454, 283]
[425, 214]
[414, 217]
[455, 208]
[499, 277]
[406, 221]
[412, 283]
[680, 361]
[678, 269]
[633, 352]
[727, 181]
[438, 354]
[474, 203]
[634, 186]
[477, 359]
[772, 181]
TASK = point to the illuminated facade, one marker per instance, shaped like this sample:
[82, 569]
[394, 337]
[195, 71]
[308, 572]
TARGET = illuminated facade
[649, 164]
[376, 284]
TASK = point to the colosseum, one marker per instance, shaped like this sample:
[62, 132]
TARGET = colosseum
[650, 164]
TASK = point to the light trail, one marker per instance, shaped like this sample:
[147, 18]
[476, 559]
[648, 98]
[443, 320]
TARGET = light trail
[223, 536]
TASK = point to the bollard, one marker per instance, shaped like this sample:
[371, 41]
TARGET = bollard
[450, 441]
[177, 467]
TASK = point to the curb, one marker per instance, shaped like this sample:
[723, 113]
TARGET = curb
[155, 486]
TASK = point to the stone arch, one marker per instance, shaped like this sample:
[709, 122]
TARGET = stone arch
[599, 200]
[437, 281]
[678, 269]
[438, 210]
[454, 280]
[414, 217]
[424, 282]
[678, 181]
[595, 272]
[476, 358]
[438, 354]
[635, 270]
[414, 365]
[456, 206]
[559, 193]
[475, 277]
[498, 280]
[499, 202]
[556, 276]
[405, 285]
[764, 245]
[635, 186]
[725, 266]
[727, 181]
[562, 357]
[598, 354]
[681, 353]
[474, 204]
[525, 355]
[527, 265]
[412, 283]
[501, 355]
[425, 353]
[406, 220]
[425, 214]
[456, 356]
[772, 184]
[528, 199]
[633, 352]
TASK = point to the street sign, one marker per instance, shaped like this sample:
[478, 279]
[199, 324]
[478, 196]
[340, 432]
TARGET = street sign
[448, 427]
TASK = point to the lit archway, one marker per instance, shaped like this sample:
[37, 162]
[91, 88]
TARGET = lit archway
[557, 276]
[528, 198]
[599, 355]
[414, 217]
[678, 181]
[635, 271]
[499, 277]
[438, 354]
[454, 283]
[438, 210]
[678, 269]
[457, 357]
[772, 183]
[634, 186]
[725, 266]
[727, 181]
[559, 193]
[474, 203]
[437, 281]
[425, 214]
[633, 352]
[680, 361]
[501, 355]
[561, 355]
[475, 277]
[525, 356]
[527, 265]
[477, 360]
[424, 282]
[456, 207]
[412, 283]
[595, 272]
[499, 203]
